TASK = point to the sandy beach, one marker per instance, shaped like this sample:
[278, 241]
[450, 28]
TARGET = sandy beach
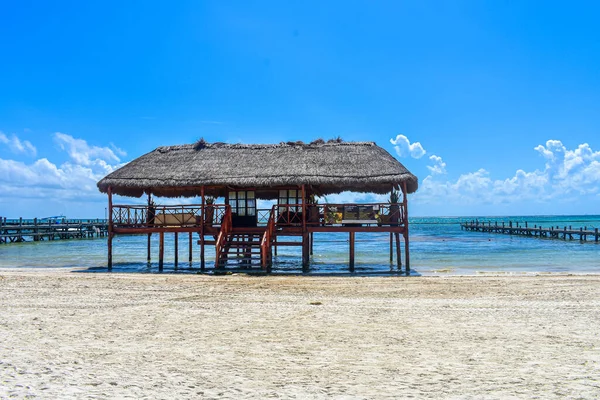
[83, 335]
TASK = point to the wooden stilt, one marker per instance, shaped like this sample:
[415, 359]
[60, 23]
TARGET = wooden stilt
[190, 248]
[275, 246]
[161, 250]
[110, 236]
[148, 255]
[150, 222]
[110, 228]
[305, 234]
[305, 256]
[406, 247]
[351, 251]
[398, 253]
[391, 248]
[202, 263]
[312, 240]
[176, 243]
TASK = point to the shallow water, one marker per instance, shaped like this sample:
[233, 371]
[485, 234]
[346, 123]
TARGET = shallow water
[438, 247]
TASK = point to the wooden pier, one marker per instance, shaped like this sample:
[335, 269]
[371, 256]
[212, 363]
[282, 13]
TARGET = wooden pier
[583, 234]
[16, 231]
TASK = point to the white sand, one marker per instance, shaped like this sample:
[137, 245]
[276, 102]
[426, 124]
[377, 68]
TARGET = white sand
[77, 335]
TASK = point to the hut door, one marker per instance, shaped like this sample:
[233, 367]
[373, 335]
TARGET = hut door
[243, 207]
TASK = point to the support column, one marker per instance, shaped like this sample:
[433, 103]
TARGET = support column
[312, 241]
[305, 256]
[110, 228]
[305, 235]
[406, 247]
[176, 243]
[202, 261]
[190, 248]
[149, 254]
[398, 251]
[161, 250]
[352, 251]
[391, 248]
[150, 222]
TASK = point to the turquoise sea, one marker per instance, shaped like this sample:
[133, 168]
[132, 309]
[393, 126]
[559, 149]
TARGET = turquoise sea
[438, 247]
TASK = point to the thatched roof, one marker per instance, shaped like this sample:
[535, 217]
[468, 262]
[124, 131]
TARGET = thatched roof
[326, 167]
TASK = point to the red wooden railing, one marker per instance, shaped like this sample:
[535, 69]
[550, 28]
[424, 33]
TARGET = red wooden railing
[335, 214]
[267, 239]
[189, 215]
[226, 228]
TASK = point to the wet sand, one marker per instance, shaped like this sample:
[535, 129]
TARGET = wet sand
[83, 335]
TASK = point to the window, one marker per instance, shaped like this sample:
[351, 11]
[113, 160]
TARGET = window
[243, 202]
[291, 196]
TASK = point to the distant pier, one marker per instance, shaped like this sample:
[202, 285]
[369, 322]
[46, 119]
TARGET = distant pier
[583, 234]
[20, 230]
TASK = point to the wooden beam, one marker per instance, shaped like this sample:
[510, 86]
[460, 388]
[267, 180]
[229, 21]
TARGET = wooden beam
[176, 243]
[161, 250]
[391, 248]
[202, 225]
[352, 251]
[110, 233]
[190, 247]
[406, 246]
[305, 256]
[398, 252]
[149, 254]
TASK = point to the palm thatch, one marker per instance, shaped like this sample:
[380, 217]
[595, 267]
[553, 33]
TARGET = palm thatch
[326, 167]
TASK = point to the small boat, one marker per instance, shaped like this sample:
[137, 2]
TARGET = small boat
[57, 219]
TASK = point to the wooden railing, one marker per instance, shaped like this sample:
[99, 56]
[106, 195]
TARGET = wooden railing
[267, 239]
[189, 215]
[194, 215]
[226, 228]
[339, 214]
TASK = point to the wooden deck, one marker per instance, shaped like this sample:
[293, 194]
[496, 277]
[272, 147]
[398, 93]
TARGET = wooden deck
[582, 234]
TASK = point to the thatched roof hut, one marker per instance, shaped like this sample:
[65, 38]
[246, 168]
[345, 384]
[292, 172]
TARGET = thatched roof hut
[325, 167]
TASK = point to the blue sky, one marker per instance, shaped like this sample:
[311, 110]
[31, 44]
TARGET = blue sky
[497, 103]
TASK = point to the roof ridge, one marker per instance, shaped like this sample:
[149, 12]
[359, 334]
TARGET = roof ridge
[219, 145]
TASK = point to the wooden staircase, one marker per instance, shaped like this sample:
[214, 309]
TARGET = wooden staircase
[241, 248]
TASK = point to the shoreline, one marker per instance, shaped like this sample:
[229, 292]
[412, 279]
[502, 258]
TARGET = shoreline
[70, 335]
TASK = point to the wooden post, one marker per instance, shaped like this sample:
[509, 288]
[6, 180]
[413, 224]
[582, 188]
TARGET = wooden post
[305, 238]
[176, 244]
[110, 228]
[36, 236]
[312, 239]
[161, 250]
[305, 257]
[202, 264]
[398, 251]
[406, 250]
[391, 248]
[149, 254]
[190, 248]
[150, 218]
[351, 251]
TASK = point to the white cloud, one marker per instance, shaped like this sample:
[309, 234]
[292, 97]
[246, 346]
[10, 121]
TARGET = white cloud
[438, 167]
[566, 174]
[404, 148]
[84, 154]
[18, 146]
[72, 180]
